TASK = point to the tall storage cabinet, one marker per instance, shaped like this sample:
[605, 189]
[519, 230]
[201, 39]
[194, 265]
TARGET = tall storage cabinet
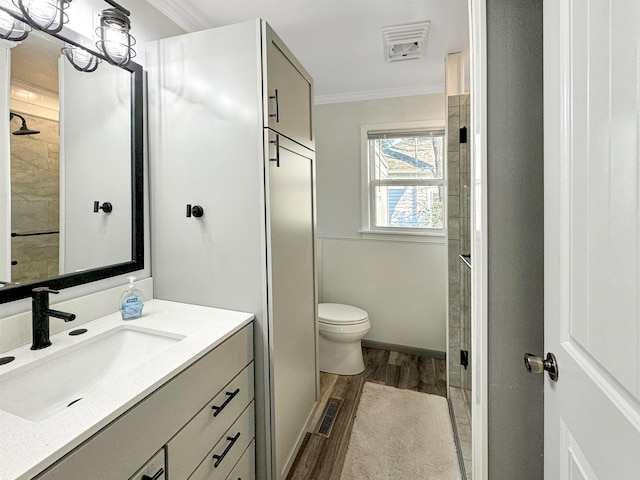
[231, 132]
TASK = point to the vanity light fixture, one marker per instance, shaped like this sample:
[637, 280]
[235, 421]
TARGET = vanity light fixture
[11, 28]
[81, 59]
[115, 40]
[46, 15]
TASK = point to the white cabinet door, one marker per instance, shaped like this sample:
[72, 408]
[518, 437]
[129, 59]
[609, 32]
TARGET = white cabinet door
[592, 238]
[95, 112]
[288, 93]
[292, 305]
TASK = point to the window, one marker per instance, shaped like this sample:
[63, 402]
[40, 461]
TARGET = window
[405, 181]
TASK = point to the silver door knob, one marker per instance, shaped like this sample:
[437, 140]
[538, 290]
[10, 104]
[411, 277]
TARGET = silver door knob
[535, 364]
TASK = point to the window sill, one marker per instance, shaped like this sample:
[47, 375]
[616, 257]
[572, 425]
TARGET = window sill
[404, 236]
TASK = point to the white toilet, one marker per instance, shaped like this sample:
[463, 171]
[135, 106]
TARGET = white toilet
[341, 328]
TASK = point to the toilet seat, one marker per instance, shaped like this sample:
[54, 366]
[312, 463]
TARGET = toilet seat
[339, 314]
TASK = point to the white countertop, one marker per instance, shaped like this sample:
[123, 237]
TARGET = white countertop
[28, 447]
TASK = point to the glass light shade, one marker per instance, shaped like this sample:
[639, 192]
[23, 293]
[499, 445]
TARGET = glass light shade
[81, 59]
[45, 15]
[115, 40]
[12, 29]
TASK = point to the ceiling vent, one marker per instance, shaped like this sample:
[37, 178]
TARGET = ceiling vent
[405, 42]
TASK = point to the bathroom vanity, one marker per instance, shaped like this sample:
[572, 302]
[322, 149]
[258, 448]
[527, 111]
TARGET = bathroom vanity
[185, 406]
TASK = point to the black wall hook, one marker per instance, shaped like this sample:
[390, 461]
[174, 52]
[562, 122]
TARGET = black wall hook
[106, 207]
[197, 211]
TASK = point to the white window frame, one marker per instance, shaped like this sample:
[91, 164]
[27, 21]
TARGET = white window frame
[367, 188]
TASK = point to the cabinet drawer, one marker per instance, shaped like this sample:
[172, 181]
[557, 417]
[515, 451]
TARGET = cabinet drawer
[187, 449]
[221, 460]
[246, 466]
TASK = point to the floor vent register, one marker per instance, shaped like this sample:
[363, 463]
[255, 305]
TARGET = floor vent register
[328, 417]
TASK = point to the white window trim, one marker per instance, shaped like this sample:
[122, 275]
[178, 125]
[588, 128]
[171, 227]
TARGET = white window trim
[409, 234]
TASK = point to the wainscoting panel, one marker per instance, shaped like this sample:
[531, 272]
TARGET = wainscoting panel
[400, 284]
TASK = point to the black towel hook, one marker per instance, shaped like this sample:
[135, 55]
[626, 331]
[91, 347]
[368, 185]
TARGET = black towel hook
[106, 207]
[197, 211]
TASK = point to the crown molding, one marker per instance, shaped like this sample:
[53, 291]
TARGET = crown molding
[379, 94]
[179, 16]
[40, 91]
[31, 100]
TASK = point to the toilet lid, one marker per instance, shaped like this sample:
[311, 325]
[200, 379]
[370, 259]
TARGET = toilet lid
[338, 314]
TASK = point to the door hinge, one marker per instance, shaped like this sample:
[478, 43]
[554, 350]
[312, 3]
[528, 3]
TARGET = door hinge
[463, 135]
[464, 358]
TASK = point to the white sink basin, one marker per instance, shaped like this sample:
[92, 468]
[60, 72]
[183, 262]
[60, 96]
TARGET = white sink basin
[50, 384]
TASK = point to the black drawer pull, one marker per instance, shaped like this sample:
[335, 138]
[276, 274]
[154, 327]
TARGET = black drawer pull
[277, 114]
[219, 458]
[276, 142]
[230, 397]
[155, 477]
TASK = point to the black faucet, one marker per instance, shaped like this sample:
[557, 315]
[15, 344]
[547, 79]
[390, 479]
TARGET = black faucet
[40, 317]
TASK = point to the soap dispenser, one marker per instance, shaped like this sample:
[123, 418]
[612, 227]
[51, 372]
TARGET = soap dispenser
[131, 301]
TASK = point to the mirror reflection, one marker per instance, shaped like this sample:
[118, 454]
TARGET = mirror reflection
[70, 143]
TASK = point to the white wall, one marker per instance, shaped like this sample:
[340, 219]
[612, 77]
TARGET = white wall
[401, 284]
[147, 24]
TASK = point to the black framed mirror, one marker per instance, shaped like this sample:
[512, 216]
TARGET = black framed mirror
[130, 257]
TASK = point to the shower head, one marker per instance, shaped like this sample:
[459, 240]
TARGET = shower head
[23, 130]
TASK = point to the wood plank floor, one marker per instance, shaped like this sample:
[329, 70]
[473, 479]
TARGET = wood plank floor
[322, 458]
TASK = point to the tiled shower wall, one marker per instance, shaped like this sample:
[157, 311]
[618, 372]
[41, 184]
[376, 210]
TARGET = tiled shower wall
[458, 202]
[35, 204]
